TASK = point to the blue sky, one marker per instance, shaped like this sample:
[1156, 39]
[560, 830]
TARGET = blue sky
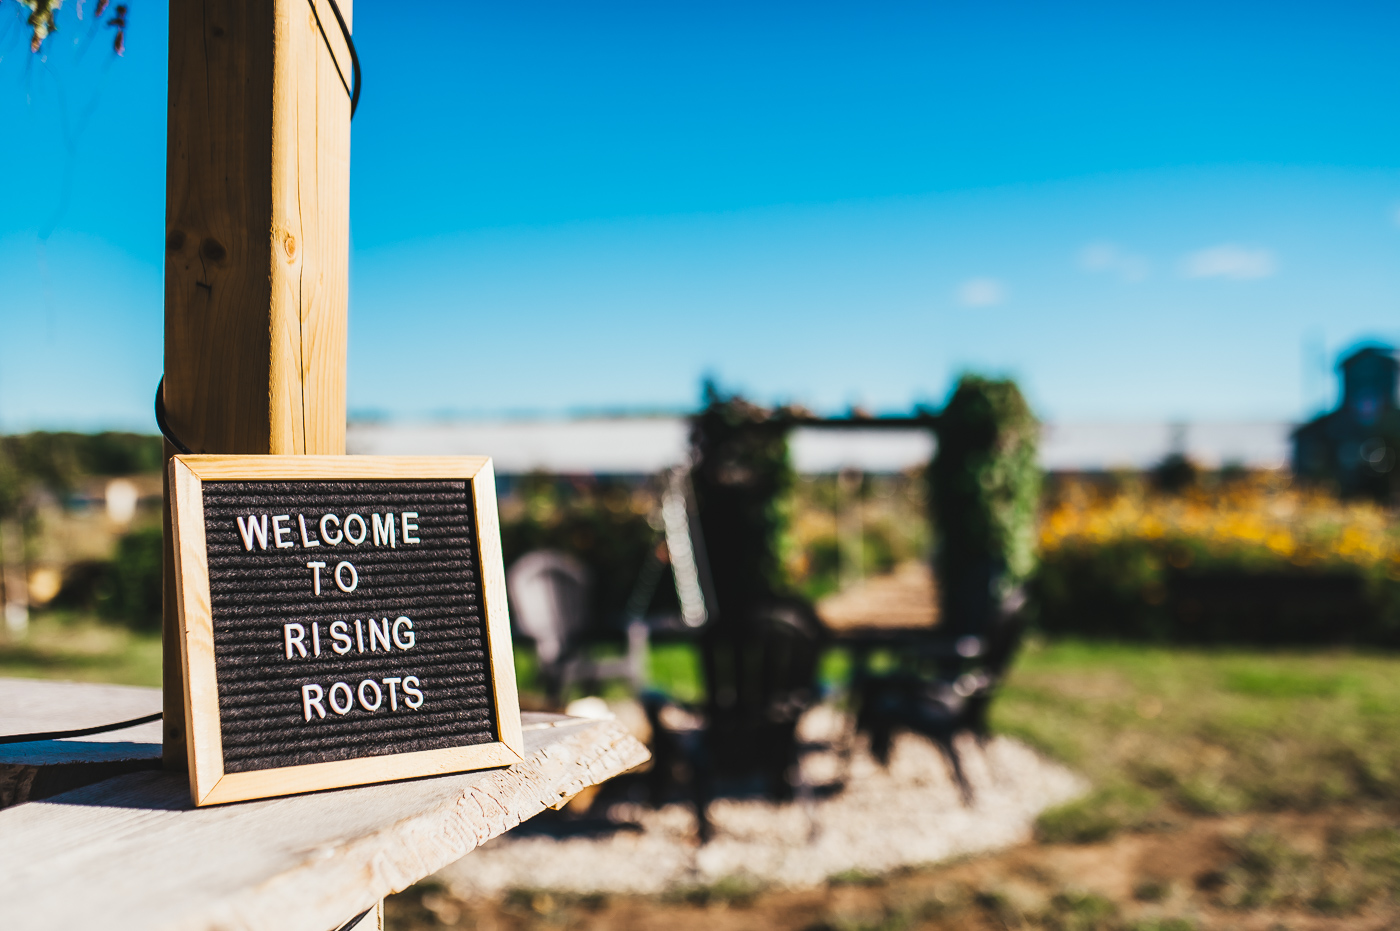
[1139, 211]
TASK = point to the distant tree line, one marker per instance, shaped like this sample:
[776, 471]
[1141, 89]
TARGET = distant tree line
[34, 466]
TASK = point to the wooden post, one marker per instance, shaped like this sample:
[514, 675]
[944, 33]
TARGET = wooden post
[257, 244]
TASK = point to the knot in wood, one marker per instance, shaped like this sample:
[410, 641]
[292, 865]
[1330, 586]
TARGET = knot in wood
[213, 250]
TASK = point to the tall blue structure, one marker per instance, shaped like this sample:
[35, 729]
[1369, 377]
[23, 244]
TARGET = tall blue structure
[1355, 448]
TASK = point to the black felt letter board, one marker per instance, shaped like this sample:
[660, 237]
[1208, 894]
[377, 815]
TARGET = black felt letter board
[256, 593]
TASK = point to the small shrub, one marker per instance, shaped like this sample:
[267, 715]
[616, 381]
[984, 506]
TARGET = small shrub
[1266, 872]
[1283, 683]
[602, 522]
[135, 583]
[127, 588]
[984, 491]
[1207, 795]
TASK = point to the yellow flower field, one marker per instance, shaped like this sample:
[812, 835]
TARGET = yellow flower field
[1256, 516]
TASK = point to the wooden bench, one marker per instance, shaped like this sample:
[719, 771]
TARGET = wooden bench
[130, 851]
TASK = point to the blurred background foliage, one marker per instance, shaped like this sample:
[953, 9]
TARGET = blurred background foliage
[55, 462]
[59, 526]
[1178, 553]
[743, 482]
[609, 524]
[984, 484]
[1174, 554]
[888, 514]
[1217, 557]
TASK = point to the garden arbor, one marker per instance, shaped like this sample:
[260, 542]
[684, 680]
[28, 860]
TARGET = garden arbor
[761, 643]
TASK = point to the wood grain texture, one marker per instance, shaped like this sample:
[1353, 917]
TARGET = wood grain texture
[257, 217]
[132, 853]
[209, 784]
[488, 535]
[174, 751]
[203, 739]
[257, 236]
[292, 468]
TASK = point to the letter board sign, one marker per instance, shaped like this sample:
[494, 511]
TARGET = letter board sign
[342, 621]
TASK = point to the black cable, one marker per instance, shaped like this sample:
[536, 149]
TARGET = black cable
[354, 58]
[80, 732]
[164, 425]
[352, 89]
[356, 920]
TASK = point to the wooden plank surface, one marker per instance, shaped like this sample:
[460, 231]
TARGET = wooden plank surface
[132, 852]
[44, 768]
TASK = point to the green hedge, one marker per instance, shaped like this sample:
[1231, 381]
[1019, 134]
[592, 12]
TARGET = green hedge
[1175, 590]
[984, 491]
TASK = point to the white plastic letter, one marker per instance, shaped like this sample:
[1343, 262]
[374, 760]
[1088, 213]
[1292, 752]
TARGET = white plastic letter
[278, 531]
[349, 703]
[378, 633]
[305, 540]
[410, 692]
[295, 636]
[378, 695]
[392, 682]
[383, 529]
[340, 633]
[340, 583]
[325, 535]
[409, 526]
[364, 529]
[253, 529]
[315, 638]
[311, 698]
[316, 568]
[406, 641]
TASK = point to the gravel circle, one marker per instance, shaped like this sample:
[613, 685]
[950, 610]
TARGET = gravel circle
[885, 818]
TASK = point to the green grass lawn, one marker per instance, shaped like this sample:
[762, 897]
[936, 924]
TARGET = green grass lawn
[1167, 732]
[1160, 732]
[1252, 749]
[61, 645]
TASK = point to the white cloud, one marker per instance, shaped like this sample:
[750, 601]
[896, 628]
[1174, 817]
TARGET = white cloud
[1106, 257]
[981, 292]
[1229, 260]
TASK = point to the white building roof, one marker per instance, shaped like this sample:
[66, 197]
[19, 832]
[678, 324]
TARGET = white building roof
[642, 445]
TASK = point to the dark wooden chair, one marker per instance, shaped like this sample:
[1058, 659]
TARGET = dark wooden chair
[760, 677]
[942, 685]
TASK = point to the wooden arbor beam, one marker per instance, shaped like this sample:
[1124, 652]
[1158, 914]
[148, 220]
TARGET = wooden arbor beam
[257, 242]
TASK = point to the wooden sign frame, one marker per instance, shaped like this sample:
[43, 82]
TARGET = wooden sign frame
[209, 783]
